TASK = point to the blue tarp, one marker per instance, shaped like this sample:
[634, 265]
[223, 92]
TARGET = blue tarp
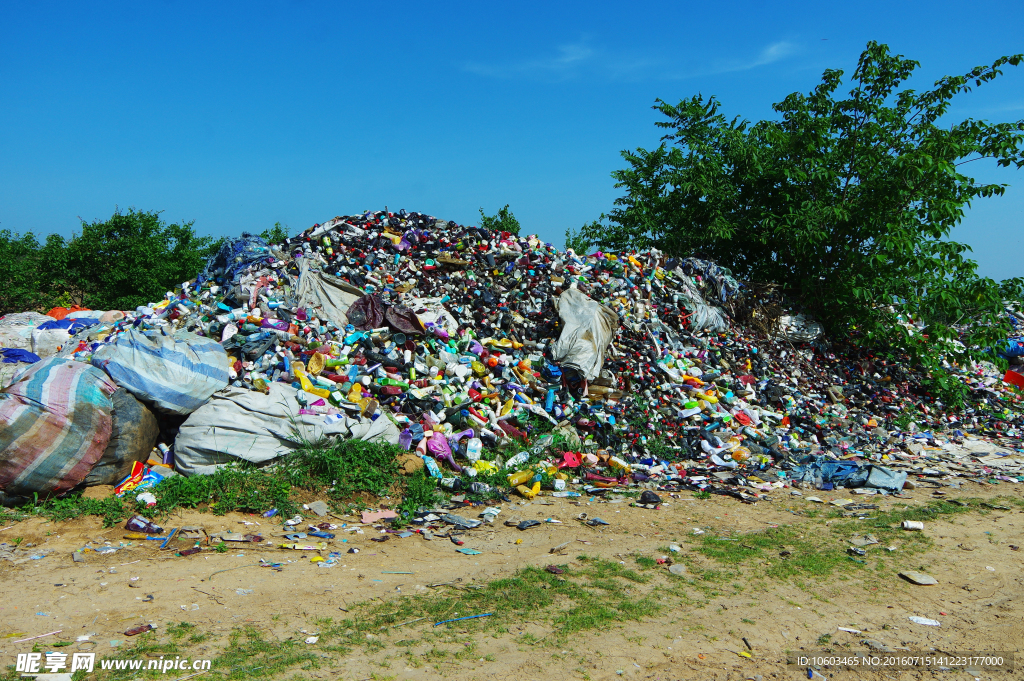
[849, 474]
[234, 256]
[1014, 348]
[72, 326]
[15, 355]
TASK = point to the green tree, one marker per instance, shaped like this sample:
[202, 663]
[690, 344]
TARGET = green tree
[848, 202]
[133, 259]
[577, 240]
[21, 271]
[275, 234]
[504, 221]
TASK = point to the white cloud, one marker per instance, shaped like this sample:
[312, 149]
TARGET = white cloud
[573, 59]
[773, 53]
[564, 64]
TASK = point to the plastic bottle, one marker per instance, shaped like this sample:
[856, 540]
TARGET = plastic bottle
[139, 524]
[517, 460]
[528, 492]
[473, 449]
[519, 478]
[432, 468]
[740, 454]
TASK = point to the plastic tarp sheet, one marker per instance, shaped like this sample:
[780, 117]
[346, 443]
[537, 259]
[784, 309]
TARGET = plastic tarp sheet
[48, 338]
[366, 313]
[55, 423]
[370, 312]
[15, 356]
[328, 297]
[16, 329]
[235, 256]
[588, 328]
[800, 328]
[702, 315]
[133, 434]
[176, 373]
[850, 474]
[1013, 348]
[8, 372]
[432, 311]
[238, 424]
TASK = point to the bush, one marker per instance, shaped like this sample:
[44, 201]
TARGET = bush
[129, 260]
[504, 221]
[132, 259]
[847, 202]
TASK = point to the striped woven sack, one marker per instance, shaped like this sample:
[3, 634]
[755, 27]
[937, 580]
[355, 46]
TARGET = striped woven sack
[176, 373]
[55, 422]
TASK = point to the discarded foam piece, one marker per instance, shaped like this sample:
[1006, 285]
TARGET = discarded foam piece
[370, 517]
[319, 507]
[919, 578]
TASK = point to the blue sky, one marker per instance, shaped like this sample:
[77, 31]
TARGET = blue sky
[238, 115]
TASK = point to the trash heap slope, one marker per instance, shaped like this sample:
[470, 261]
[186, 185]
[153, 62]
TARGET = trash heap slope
[466, 346]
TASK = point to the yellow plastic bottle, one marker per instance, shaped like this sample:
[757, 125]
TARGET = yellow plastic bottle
[528, 492]
[515, 479]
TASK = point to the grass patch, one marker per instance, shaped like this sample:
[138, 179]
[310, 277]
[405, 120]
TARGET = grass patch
[248, 654]
[342, 468]
[646, 562]
[591, 595]
[337, 470]
[420, 491]
[819, 551]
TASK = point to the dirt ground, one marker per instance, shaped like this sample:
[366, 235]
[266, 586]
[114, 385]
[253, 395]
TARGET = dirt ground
[978, 598]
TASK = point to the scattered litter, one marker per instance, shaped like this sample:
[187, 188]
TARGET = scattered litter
[918, 578]
[32, 638]
[459, 619]
[134, 631]
[924, 620]
[370, 517]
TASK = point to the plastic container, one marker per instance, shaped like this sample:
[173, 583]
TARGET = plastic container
[473, 449]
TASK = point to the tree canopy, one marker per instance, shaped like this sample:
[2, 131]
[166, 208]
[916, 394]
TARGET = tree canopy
[846, 201]
[128, 260]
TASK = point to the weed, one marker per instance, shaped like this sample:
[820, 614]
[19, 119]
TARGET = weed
[702, 494]
[420, 491]
[344, 467]
[180, 629]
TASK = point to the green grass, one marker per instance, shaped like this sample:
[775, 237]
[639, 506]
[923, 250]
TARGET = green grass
[420, 491]
[336, 470]
[248, 654]
[818, 551]
[343, 468]
[591, 595]
[646, 562]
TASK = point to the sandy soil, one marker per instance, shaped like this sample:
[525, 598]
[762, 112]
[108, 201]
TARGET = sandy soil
[978, 599]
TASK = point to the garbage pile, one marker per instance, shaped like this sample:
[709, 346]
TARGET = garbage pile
[490, 356]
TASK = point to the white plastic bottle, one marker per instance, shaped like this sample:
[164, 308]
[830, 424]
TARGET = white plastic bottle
[473, 449]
